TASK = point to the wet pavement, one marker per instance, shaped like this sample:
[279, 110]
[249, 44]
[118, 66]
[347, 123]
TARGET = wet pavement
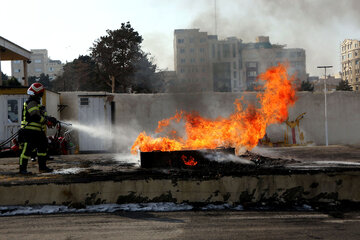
[109, 165]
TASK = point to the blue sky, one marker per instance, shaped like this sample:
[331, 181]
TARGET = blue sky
[68, 29]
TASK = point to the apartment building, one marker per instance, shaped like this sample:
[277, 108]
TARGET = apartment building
[260, 55]
[40, 63]
[229, 65]
[350, 62]
[191, 61]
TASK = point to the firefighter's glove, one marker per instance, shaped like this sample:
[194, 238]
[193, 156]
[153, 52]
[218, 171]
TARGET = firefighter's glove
[51, 122]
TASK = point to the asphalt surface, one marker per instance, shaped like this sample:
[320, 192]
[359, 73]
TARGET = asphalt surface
[183, 225]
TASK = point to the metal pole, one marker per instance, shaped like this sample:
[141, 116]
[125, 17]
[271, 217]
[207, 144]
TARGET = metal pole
[215, 17]
[325, 91]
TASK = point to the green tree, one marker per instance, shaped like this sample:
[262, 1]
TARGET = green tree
[43, 79]
[4, 77]
[12, 82]
[343, 86]
[116, 55]
[82, 74]
[306, 86]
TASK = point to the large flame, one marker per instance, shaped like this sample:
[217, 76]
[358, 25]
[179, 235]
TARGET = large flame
[243, 128]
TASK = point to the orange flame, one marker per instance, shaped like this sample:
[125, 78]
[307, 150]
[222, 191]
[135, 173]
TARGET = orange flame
[243, 128]
[190, 162]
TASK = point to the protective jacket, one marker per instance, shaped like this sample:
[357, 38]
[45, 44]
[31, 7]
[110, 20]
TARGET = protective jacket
[33, 115]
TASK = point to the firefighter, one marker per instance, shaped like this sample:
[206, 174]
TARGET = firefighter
[33, 126]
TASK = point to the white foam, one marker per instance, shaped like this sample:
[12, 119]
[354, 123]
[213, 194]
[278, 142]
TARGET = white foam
[109, 208]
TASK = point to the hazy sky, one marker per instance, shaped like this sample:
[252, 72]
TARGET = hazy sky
[68, 28]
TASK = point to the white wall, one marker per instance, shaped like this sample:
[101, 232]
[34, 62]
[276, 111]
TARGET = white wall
[135, 113]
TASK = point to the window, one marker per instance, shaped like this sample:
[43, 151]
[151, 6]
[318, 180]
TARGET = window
[343, 57]
[17, 70]
[235, 74]
[202, 60]
[180, 40]
[350, 55]
[192, 60]
[252, 64]
[226, 50]
[192, 50]
[13, 111]
[357, 79]
[191, 40]
[37, 61]
[51, 69]
[84, 101]
[234, 65]
[279, 54]
[182, 70]
[252, 74]
[182, 60]
[16, 61]
[38, 70]
[202, 50]
[234, 50]
[202, 40]
[182, 50]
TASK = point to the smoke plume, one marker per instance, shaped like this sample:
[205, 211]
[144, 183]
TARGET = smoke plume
[317, 26]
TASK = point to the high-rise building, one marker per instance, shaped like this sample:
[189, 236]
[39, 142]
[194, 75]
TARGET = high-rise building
[191, 61]
[40, 63]
[350, 62]
[205, 63]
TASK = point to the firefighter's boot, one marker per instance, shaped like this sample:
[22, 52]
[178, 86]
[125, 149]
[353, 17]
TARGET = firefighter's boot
[23, 167]
[42, 165]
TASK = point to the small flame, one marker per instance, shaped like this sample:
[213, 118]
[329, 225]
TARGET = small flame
[243, 128]
[190, 162]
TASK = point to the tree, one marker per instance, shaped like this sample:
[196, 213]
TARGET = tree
[4, 77]
[43, 79]
[116, 54]
[80, 74]
[12, 82]
[307, 86]
[344, 86]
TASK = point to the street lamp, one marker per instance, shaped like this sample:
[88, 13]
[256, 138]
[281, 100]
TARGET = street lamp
[325, 90]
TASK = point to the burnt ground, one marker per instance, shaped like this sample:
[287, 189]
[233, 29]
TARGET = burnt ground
[91, 167]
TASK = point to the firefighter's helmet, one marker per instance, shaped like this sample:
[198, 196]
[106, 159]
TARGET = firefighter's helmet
[36, 89]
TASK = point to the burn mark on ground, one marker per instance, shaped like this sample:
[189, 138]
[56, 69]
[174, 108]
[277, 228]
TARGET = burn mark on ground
[131, 198]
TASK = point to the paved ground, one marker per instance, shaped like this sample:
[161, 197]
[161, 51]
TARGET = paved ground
[316, 157]
[313, 154]
[183, 225]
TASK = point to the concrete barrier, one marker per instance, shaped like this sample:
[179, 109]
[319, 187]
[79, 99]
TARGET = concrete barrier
[299, 187]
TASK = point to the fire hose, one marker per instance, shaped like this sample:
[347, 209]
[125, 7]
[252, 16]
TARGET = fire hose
[17, 133]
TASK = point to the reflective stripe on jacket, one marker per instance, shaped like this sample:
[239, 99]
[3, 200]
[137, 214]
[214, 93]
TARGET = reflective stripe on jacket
[33, 117]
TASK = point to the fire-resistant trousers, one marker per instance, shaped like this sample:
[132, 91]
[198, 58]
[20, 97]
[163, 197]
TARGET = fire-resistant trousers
[30, 140]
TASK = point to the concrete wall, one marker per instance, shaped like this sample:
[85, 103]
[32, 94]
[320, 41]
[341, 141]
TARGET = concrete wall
[135, 113]
[289, 189]
[142, 112]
